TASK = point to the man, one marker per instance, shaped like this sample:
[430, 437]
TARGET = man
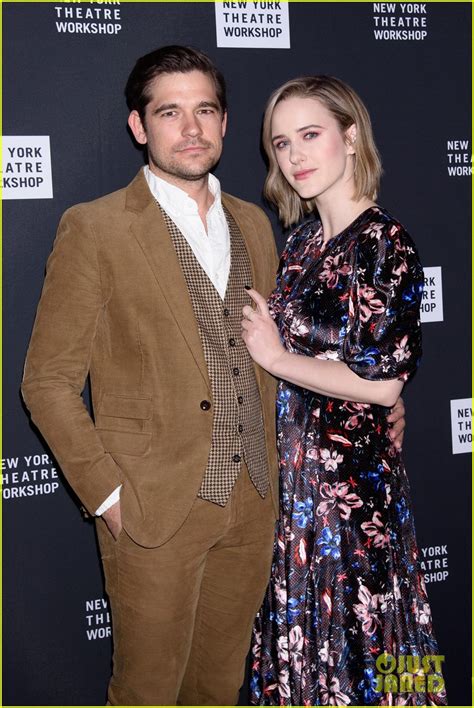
[144, 291]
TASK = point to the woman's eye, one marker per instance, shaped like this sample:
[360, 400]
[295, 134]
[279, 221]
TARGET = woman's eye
[280, 144]
[310, 135]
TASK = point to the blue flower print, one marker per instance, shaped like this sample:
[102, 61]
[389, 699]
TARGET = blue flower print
[303, 512]
[330, 544]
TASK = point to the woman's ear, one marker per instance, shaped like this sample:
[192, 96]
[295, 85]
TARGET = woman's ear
[351, 137]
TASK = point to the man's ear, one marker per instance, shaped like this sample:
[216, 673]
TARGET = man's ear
[224, 123]
[137, 127]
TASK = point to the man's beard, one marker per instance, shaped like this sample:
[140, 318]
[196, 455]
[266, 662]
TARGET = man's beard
[189, 172]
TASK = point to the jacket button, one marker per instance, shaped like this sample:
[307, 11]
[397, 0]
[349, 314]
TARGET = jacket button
[240, 399]
[205, 405]
[232, 342]
[241, 428]
[236, 371]
[236, 458]
[226, 312]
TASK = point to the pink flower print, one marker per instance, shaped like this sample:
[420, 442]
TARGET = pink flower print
[376, 530]
[369, 304]
[368, 612]
[330, 459]
[338, 493]
[280, 590]
[359, 411]
[284, 684]
[282, 648]
[295, 647]
[402, 351]
[325, 654]
[332, 695]
[423, 615]
[299, 326]
[374, 230]
[333, 267]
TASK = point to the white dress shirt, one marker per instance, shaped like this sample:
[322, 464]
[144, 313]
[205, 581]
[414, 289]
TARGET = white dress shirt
[212, 249]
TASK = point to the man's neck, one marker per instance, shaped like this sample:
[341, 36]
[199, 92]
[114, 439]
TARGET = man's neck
[198, 190]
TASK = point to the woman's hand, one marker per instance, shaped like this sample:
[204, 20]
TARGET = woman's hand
[260, 333]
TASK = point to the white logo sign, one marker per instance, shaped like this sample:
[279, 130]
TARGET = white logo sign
[28, 476]
[400, 21]
[77, 19]
[459, 158]
[434, 561]
[253, 24]
[461, 420]
[26, 167]
[98, 619]
[432, 302]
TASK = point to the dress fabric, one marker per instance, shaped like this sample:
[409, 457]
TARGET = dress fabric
[345, 584]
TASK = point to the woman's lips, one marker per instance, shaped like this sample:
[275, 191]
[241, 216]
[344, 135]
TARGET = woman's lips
[303, 174]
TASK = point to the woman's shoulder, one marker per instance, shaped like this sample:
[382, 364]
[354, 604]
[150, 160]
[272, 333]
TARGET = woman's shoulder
[379, 225]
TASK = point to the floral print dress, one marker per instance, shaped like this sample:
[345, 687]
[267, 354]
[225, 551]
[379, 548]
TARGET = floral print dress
[345, 584]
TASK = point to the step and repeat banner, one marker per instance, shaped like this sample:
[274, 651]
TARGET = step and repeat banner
[66, 141]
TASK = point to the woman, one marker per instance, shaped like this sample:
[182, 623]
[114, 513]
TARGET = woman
[342, 333]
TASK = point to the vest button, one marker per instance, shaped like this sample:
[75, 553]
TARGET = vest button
[241, 428]
[240, 399]
[226, 312]
[236, 371]
[232, 342]
[205, 405]
[236, 458]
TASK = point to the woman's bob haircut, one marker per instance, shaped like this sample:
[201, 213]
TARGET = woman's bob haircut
[348, 109]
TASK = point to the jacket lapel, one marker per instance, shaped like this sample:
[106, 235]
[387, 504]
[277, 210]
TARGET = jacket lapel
[255, 254]
[250, 236]
[149, 229]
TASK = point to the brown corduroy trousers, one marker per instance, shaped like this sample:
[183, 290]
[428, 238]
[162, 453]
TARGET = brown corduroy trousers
[182, 613]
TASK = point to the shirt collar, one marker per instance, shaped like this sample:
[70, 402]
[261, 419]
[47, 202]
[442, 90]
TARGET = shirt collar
[175, 200]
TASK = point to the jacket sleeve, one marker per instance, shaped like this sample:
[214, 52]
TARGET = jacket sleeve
[58, 361]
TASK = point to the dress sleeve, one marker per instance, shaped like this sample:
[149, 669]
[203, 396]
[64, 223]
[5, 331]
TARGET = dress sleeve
[383, 336]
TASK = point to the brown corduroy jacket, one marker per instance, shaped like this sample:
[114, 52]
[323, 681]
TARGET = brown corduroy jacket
[115, 305]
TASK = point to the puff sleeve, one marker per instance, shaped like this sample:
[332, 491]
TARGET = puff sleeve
[383, 334]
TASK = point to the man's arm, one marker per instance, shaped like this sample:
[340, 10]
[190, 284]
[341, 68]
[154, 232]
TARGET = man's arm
[58, 361]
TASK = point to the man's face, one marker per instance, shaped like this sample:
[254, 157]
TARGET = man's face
[183, 126]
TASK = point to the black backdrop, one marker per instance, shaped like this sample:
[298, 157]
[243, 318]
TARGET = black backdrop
[64, 79]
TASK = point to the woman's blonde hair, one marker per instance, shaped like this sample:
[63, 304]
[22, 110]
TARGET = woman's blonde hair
[348, 109]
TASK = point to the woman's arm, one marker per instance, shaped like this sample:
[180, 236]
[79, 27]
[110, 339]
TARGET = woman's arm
[327, 377]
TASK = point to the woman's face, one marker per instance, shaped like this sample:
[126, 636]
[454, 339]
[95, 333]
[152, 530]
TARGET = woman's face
[312, 152]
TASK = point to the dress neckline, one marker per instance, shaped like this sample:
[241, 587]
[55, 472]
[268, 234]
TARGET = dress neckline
[349, 227]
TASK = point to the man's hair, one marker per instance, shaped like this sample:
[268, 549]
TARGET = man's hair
[348, 109]
[169, 60]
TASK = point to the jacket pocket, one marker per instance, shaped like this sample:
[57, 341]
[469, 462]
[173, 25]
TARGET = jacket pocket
[125, 407]
[124, 414]
[124, 443]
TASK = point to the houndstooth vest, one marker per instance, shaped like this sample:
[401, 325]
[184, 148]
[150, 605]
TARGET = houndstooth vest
[238, 432]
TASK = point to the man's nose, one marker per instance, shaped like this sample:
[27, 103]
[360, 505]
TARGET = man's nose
[191, 125]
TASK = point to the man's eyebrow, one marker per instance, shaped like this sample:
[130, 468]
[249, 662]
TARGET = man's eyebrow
[165, 107]
[172, 106]
[209, 104]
